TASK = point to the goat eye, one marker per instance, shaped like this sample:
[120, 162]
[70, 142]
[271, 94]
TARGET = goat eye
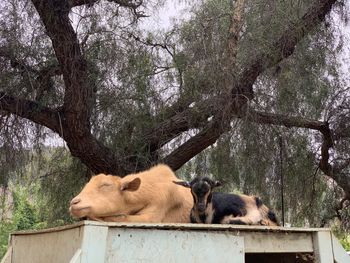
[104, 185]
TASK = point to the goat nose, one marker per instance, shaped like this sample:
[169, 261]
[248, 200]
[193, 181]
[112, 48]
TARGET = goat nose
[75, 201]
[201, 207]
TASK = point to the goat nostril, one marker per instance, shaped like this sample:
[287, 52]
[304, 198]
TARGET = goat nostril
[75, 201]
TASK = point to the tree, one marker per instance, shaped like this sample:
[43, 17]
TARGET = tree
[120, 99]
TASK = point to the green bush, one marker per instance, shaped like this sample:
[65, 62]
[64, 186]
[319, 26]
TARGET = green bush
[342, 236]
[24, 217]
[345, 241]
[5, 229]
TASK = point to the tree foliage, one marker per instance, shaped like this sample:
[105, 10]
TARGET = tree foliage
[39, 197]
[241, 90]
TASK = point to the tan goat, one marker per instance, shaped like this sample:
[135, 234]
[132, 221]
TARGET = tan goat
[149, 196]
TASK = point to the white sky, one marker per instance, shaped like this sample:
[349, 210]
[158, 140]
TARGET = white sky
[171, 11]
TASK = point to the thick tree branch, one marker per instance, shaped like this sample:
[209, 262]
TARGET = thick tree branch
[208, 136]
[78, 93]
[124, 3]
[78, 98]
[73, 120]
[31, 111]
[74, 3]
[283, 46]
[284, 120]
[197, 115]
[242, 90]
[186, 118]
[132, 5]
[335, 170]
[338, 173]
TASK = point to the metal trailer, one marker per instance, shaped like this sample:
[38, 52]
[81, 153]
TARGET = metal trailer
[94, 242]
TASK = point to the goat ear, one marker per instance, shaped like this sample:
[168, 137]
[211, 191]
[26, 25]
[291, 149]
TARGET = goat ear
[183, 183]
[217, 184]
[132, 185]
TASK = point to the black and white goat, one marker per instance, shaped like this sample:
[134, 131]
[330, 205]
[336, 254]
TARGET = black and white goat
[223, 208]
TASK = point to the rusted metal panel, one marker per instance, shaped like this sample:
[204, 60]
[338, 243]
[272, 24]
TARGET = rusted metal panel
[154, 245]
